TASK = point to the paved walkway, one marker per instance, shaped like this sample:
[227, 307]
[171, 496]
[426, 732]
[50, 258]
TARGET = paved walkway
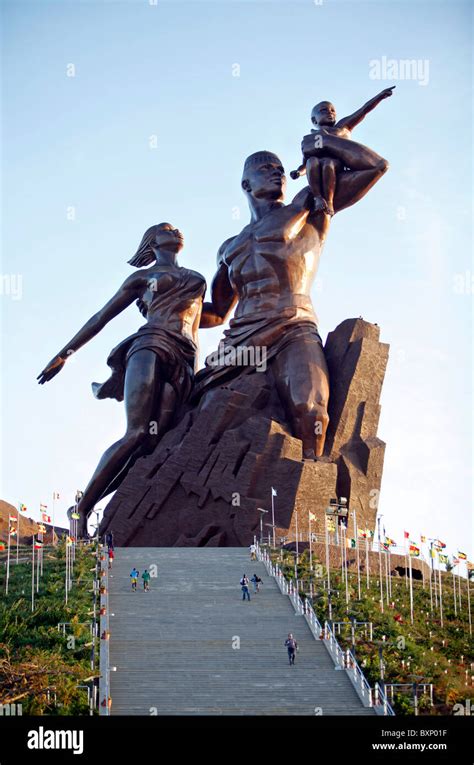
[175, 647]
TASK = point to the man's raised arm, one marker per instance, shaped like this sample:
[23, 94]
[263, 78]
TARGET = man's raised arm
[223, 297]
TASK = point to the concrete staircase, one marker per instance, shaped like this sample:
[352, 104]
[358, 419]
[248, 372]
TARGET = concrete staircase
[175, 647]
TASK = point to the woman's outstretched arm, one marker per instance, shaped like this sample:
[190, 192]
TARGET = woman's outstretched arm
[128, 292]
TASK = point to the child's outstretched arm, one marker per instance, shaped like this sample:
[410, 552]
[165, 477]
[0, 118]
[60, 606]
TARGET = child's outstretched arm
[352, 120]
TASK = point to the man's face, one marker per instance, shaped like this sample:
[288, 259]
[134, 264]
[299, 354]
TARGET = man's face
[267, 180]
[324, 114]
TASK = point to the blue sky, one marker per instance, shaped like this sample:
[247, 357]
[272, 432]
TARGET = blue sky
[154, 126]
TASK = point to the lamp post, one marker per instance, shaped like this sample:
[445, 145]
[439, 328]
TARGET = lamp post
[339, 510]
[380, 565]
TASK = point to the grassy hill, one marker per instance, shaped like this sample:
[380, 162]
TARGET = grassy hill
[425, 650]
[39, 666]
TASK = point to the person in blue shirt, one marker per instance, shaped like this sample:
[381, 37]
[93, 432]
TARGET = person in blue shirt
[134, 577]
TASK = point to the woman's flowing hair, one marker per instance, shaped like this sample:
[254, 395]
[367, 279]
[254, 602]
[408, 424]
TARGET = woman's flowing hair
[145, 255]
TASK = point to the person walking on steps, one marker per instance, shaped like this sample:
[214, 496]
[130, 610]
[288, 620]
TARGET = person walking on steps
[111, 556]
[134, 578]
[146, 580]
[253, 552]
[244, 583]
[292, 647]
[256, 583]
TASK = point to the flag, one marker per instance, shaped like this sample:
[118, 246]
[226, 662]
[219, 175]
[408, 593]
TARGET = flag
[41, 528]
[312, 517]
[440, 545]
[385, 546]
[274, 492]
[351, 543]
[13, 518]
[2, 545]
[414, 550]
[406, 534]
[68, 541]
[12, 531]
[442, 558]
[390, 542]
[45, 517]
[55, 495]
[455, 560]
[470, 566]
[433, 552]
[461, 555]
[38, 545]
[22, 508]
[43, 507]
[75, 516]
[423, 539]
[370, 533]
[362, 533]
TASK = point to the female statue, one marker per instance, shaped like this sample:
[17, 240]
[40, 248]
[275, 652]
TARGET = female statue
[153, 369]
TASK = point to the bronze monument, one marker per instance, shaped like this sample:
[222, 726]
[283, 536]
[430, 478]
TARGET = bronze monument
[180, 427]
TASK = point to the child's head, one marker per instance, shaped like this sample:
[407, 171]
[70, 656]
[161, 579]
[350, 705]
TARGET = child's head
[323, 113]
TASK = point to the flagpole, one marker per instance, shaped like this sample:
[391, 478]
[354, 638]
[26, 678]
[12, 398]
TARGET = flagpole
[41, 552]
[367, 562]
[327, 553]
[310, 547]
[468, 601]
[345, 565]
[435, 586]
[431, 571]
[37, 568]
[18, 531]
[386, 577]
[454, 593]
[440, 597]
[356, 536]
[67, 573]
[411, 591]
[54, 502]
[8, 556]
[33, 574]
[273, 516]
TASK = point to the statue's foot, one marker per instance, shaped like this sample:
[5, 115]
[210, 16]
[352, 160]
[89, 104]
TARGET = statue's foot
[329, 209]
[320, 204]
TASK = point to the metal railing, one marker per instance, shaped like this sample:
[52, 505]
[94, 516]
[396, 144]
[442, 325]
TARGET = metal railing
[104, 680]
[343, 659]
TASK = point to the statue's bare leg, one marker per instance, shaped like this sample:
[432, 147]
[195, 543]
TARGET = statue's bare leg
[302, 380]
[141, 390]
[352, 186]
[329, 170]
[354, 155]
[314, 176]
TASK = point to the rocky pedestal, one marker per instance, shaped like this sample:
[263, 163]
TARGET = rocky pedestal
[209, 476]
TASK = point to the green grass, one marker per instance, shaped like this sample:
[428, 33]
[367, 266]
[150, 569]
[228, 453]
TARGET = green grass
[39, 667]
[408, 649]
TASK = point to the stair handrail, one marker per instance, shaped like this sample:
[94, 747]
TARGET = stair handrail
[344, 659]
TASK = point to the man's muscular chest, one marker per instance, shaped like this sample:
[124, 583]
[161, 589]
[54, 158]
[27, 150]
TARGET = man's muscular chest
[262, 245]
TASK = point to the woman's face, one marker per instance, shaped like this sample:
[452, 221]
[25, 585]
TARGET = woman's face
[169, 238]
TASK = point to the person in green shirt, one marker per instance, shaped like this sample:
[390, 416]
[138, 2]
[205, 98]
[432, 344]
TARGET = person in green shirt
[146, 580]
